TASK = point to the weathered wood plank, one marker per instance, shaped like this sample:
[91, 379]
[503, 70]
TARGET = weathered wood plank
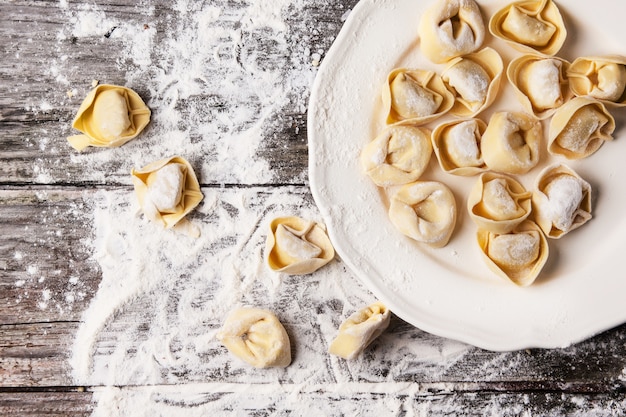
[50, 404]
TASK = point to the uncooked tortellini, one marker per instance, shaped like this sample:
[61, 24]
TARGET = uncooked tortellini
[415, 96]
[296, 246]
[475, 78]
[530, 25]
[561, 200]
[511, 142]
[457, 146]
[451, 28]
[109, 116]
[398, 155]
[424, 211]
[603, 78]
[540, 83]
[359, 330]
[257, 337]
[167, 190]
[579, 128]
[519, 255]
[498, 203]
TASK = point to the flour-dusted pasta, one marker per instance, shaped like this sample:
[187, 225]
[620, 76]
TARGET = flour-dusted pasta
[359, 330]
[457, 146]
[424, 211]
[519, 255]
[561, 201]
[579, 128]
[167, 190]
[398, 155]
[540, 83]
[451, 28]
[530, 25]
[498, 203]
[475, 80]
[257, 337]
[415, 96]
[297, 246]
[109, 116]
[511, 142]
[600, 77]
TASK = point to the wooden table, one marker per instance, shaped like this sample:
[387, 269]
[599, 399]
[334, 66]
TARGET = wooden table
[50, 273]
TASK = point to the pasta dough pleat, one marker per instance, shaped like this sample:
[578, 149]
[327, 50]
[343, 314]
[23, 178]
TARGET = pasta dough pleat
[599, 77]
[457, 146]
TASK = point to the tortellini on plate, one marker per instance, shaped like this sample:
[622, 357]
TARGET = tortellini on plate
[109, 116]
[498, 203]
[518, 256]
[540, 83]
[601, 77]
[579, 128]
[561, 200]
[451, 28]
[424, 211]
[297, 246]
[167, 190]
[398, 155]
[475, 78]
[457, 146]
[415, 96]
[511, 143]
[359, 330]
[530, 25]
[257, 337]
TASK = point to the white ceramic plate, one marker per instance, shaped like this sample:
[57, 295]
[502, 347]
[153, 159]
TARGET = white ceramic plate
[450, 291]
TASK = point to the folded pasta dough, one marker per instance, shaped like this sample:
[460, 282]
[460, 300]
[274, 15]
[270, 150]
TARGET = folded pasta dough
[398, 155]
[451, 28]
[475, 79]
[561, 200]
[257, 337]
[535, 25]
[498, 203]
[599, 77]
[518, 256]
[457, 146]
[415, 97]
[167, 190]
[296, 246]
[359, 331]
[109, 116]
[540, 83]
[424, 211]
[579, 128]
[511, 142]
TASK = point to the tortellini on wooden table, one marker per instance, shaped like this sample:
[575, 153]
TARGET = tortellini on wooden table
[457, 146]
[257, 337]
[109, 116]
[599, 77]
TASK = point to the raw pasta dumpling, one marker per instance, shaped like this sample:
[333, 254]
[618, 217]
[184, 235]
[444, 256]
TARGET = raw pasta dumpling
[540, 83]
[457, 146]
[424, 211]
[451, 28]
[579, 128]
[475, 78]
[167, 190]
[257, 337]
[530, 25]
[359, 330]
[297, 246]
[415, 96]
[561, 200]
[109, 116]
[498, 203]
[398, 155]
[518, 256]
[603, 78]
[511, 142]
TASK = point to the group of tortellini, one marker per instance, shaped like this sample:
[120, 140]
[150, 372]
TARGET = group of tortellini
[513, 223]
